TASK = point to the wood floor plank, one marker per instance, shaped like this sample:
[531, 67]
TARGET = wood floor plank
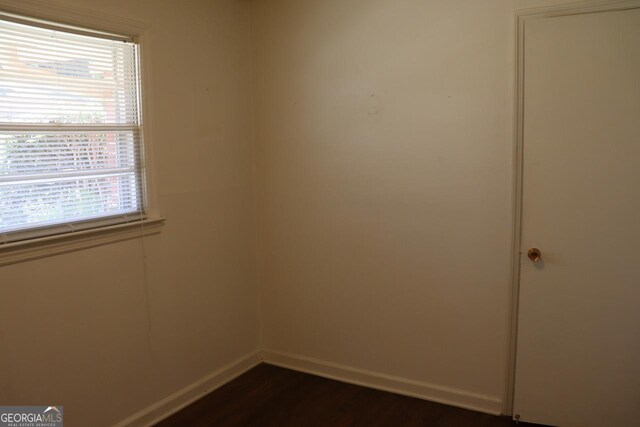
[269, 396]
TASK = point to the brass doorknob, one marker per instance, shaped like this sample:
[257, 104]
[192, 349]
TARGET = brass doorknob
[534, 254]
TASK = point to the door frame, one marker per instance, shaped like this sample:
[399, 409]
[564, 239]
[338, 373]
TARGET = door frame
[520, 18]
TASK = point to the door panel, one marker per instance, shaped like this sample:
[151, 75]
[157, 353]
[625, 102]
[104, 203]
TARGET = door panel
[578, 351]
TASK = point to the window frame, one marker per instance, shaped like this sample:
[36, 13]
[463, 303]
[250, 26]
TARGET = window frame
[80, 234]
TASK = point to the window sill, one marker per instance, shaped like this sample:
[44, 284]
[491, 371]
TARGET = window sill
[15, 252]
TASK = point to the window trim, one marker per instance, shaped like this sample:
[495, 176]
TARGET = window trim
[75, 16]
[41, 247]
[36, 22]
[151, 222]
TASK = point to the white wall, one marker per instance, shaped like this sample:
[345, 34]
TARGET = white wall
[384, 176]
[80, 330]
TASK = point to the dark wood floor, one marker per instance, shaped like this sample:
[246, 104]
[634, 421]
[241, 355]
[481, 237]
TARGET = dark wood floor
[271, 396]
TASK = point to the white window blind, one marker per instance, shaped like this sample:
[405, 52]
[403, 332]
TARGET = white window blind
[69, 131]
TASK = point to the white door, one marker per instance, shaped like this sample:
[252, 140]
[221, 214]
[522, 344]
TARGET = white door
[578, 345]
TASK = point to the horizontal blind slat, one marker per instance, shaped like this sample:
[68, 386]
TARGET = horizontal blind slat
[75, 198]
[69, 128]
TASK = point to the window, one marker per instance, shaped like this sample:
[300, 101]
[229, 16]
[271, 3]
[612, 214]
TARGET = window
[70, 135]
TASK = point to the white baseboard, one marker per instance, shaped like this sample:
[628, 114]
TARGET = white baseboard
[189, 394]
[184, 397]
[446, 395]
